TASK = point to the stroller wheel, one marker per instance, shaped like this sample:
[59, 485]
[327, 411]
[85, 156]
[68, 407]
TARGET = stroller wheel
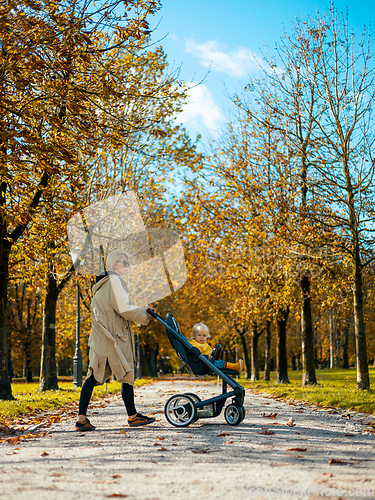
[193, 396]
[243, 413]
[234, 414]
[196, 399]
[180, 410]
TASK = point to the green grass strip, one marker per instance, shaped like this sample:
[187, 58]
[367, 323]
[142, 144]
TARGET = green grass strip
[30, 400]
[336, 388]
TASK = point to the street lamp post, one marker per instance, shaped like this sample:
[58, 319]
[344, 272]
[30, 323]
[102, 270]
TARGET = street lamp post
[139, 367]
[77, 358]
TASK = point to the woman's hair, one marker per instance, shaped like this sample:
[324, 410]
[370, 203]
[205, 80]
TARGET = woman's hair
[114, 257]
[201, 327]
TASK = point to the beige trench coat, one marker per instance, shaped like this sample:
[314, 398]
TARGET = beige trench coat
[111, 339]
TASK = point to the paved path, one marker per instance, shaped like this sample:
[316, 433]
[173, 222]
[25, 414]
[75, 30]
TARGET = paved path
[261, 458]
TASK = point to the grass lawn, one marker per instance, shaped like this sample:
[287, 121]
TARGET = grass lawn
[30, 401]
[336, 388]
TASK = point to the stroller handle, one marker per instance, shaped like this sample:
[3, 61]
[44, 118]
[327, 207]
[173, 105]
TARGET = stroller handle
[152, 313]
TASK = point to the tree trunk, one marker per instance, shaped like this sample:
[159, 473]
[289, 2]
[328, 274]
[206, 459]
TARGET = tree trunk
[48, 375]
[281, 357]
[28, 361]
[307, 334]
[294, 363]
[346, 344]
[254, 352]
[151, 355]
[27, 339]
[333, 340]
[298, 361]
[242, 334]
[5, 387]
[363, 380]
[267, 362]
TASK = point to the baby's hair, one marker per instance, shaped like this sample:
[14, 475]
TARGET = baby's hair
[201, 327]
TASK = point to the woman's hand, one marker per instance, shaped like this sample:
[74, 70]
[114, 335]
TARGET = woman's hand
[152, 309]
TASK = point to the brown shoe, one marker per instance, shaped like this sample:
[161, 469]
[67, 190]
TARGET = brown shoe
[139, 420]
[84, 426]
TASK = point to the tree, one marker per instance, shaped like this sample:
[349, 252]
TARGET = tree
[285, 101]
[281, 357]
[267, 354]
[236, 252]
[317, 93]
[255, 334]
[24, 305]
[49, 103]
[344, 76]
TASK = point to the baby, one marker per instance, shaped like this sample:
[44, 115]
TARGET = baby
[200, 335]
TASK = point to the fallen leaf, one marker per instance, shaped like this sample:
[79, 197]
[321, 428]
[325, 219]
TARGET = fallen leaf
[290, 422]
[202, 450]
[160, 438]
[44, 454]
[327, 474]
[337, 461]
[223, 434]
[161, 449]
[118, 495]
[296, 449]
[122, 431]
[268, 433]
[6, 429]
[270, 415]
[116, 476]
[229, 442]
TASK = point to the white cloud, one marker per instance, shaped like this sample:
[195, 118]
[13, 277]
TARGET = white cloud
[201, 109]
[235, 63]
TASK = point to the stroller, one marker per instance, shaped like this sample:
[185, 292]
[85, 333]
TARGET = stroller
[182, 410]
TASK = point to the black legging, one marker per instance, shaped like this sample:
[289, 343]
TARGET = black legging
[127, 393]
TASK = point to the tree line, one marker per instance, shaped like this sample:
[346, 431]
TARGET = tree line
[88, 108]
[281, 222]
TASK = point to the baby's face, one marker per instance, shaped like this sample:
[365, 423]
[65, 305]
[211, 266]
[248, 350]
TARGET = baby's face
[200, 337]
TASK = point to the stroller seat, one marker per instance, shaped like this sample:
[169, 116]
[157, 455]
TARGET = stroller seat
[194, 365]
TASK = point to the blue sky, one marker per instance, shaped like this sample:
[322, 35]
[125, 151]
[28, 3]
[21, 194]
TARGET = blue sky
[226, 38]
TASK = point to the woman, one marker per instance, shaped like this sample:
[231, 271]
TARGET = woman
[111, 340]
